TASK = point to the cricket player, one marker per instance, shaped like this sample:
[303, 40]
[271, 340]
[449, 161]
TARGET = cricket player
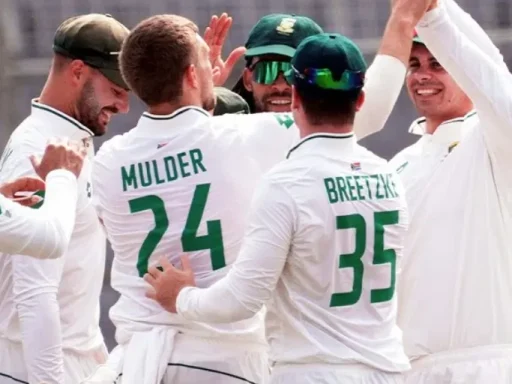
[324, 240]
[182, 180]
[456, 279]
[49, 309]
[268, 51]
[43, 233]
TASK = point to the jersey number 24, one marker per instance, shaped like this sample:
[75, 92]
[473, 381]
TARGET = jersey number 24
[189, 239]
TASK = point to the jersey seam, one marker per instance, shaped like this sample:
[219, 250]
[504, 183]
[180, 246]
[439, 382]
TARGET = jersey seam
[64, 117]
[320, 136]
[174, 115]
[12, 378]
[201, 369]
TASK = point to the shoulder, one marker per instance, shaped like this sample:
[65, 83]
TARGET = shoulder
[402, 158]
[109, 148]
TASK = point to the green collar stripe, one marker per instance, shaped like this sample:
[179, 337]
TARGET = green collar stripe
[63, 116]
[176, 114]
[321, 136]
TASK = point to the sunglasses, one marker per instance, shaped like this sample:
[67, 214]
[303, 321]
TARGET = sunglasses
[267, 72]
[323, 78]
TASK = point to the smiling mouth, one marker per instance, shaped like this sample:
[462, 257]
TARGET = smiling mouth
[427, 92]
[280, 102]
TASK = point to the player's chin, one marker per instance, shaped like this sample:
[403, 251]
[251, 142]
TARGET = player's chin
[100, 128]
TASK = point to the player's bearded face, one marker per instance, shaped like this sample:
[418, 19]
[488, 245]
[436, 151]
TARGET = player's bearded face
[91, 113]
[275, 97]
[432, 90]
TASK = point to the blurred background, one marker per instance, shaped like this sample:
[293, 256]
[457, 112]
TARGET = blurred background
[27, 28]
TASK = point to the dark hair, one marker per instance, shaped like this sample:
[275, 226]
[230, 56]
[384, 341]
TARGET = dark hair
[155, 56]
[325, 106]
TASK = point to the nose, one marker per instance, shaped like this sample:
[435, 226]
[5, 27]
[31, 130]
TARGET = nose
[122, 102]
[280, 84]
[422, 75]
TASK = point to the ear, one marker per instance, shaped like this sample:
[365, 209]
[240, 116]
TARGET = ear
[79, 72]
[191, 79]
[360, 100]
[247, 79]
[296, 101]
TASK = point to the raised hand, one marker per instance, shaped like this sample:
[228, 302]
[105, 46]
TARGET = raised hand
[412, 9]
[215, 36]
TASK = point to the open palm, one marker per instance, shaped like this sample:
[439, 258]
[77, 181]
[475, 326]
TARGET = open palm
[215, 37]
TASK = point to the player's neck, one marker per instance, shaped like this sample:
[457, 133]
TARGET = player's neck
[168, 108]
[433, 122]
[53, 96]
[309, 129]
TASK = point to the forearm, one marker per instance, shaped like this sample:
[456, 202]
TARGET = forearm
[384, 80]
[474, 32]
[385, 77]
[397, 38]
[41, 338]
[216, 304]
[43, 233]
[487, 84]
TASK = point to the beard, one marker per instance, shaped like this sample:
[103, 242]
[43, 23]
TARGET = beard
[263, 105]
[89, 110]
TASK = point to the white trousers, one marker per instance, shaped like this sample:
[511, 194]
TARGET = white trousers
[201, 361]
[332, 374]
[76, 366]
[481, 365]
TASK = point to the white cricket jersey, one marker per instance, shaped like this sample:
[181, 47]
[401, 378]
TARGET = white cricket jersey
[77, 277]
[322, 249]
[41, 233]
[183, 183]
[457, 274]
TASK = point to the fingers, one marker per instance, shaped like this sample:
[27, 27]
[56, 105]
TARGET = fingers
[151, 294]
[233, 58]
[185, 262]
[207, 37]
[165, 264]
[149, 279]
[28, 184]
[28, 201]
[36, 162]
[222, 29]
[154, 271]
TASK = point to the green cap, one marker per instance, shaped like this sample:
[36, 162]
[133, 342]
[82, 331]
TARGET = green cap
[337, 56]
[96, 40]
[229, 102]
[279, 34]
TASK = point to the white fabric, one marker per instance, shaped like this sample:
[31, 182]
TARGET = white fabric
[481, 365]
[171, 159]
[211, 360]
[75, 366]
[154, 350]
[43, 233]
[325, 374]
[73, 281]
[459, 249]
[290, 259]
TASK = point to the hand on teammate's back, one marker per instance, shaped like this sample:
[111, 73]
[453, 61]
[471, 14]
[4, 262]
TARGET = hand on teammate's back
[167, 281]
[59, 154]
